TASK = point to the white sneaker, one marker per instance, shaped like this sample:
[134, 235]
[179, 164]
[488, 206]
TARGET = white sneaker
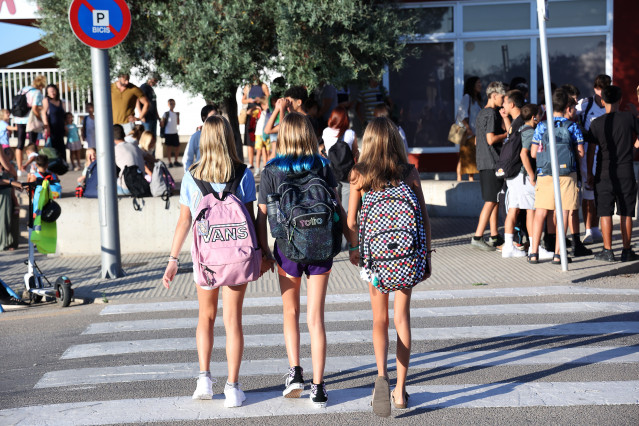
[545, 254]
[204, 388]
[19, 173]
[234, 397]
[509, 250]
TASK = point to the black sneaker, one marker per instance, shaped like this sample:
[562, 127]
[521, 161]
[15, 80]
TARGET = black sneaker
[177, 164]
[605, 255]
[628, 255]
[318, 395]
[581, 250]
[294, 383]
[496, 241]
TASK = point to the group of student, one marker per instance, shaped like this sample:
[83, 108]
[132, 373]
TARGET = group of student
[387, 230]
[594, 146]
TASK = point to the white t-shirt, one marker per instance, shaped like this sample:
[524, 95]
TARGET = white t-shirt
[127, 154]
[170, 128]
[329, 136]
[261, 122]
[594, 112]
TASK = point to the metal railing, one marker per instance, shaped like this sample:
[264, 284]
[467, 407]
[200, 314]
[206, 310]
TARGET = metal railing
[13, 80]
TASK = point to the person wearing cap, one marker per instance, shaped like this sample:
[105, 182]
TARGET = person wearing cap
[124, 98]
[614, 133]
[151, 117]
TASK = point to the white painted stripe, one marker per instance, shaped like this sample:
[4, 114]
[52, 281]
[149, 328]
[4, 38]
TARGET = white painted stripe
[262, 404]
[360, 336]
[342, 316]
[427, 360]
[364, 298]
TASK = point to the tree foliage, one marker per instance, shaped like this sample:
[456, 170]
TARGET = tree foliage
[209, 47]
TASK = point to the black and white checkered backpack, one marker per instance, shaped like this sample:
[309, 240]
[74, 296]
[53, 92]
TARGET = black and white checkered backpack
[392, 240]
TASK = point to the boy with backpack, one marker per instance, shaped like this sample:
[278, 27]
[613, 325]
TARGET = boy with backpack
[569, 145]
[520, 194]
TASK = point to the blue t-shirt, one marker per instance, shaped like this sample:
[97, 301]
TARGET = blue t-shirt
[192, 153]
[4, 134]
[190, 194]
[72, 135]
[575, 135]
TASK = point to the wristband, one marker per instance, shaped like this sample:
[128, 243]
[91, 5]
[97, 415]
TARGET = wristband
[174, 259]
[351, 248]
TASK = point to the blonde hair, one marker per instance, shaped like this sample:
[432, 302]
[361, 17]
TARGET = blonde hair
[39, 82]
[4, 111]
[296, 137]
[383, 157]
[147, 140]
[217, 152]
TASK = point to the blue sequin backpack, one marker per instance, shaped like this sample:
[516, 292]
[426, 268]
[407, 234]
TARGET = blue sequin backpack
[392, 239]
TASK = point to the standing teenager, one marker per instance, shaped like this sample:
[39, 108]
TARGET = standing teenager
[217, 165]
[383, 168]
[298, 155]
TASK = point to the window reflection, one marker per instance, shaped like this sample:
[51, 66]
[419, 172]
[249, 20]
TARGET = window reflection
[576, 14]
[497, 17]
[497, 60]
[423, 94]
[575, 60]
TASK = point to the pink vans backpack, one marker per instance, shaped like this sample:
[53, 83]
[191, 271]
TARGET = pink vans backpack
[225, 250]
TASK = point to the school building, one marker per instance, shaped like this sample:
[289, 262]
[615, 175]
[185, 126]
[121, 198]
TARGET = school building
[499, 40]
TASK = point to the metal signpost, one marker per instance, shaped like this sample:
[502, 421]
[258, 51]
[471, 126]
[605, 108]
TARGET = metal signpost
[542, 15]
[103, 24]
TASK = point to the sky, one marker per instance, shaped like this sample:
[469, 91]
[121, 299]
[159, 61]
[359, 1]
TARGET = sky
[14, 36]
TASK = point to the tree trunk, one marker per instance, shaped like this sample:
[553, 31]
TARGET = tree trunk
[229, 110]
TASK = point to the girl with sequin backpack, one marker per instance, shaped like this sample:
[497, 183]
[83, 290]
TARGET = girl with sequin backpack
[391, 243]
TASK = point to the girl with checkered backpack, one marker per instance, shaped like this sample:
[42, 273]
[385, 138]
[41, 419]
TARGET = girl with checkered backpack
[391, 243]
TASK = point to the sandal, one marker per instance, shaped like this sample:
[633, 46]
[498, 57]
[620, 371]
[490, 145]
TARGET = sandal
[400, 406]
[556, 259]
[381, 397]
[533, 258]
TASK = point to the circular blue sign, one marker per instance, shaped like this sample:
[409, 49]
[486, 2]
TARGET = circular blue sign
[100, 23]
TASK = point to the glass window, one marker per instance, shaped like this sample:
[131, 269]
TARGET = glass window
[432, 19]
[423, 96]
[508, 16]
[574, 60]
[577, 14]
[497, 60]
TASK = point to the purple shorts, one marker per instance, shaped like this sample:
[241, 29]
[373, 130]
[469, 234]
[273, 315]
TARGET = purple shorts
[295, 269]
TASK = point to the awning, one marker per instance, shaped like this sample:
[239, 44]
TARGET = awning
[21, 54]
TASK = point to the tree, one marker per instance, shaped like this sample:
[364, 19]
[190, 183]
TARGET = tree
[211, 47]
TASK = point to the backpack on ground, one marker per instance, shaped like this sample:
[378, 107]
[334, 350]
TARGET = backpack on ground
[305, 221]
[90, 189]
[342, 161]
[509, 163]
[162, 182]
[20, 105]
[565, 150]
[392, 239]
[135, 182]
[225, 250]
[57, 165]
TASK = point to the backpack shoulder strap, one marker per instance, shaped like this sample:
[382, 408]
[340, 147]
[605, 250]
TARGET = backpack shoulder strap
[205, 187]
[238, 174]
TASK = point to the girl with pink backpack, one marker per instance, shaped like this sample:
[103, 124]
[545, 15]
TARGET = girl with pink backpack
[218, 192]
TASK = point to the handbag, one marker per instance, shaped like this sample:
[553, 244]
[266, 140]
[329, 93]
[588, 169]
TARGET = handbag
[34, 124]
[241, 118]
[457, 133]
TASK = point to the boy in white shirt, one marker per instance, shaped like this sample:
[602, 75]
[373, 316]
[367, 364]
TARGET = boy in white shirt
[170, 122]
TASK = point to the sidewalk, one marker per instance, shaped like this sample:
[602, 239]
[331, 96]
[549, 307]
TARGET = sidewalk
[456, 265]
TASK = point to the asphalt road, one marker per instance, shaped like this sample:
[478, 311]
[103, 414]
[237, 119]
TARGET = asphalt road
[535, 354]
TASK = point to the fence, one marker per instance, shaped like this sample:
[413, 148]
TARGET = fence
[12, 81]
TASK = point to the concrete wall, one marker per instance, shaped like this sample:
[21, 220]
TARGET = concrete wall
[151, 230]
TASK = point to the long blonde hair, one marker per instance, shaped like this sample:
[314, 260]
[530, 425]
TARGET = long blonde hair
[296, 137]
[147, 141]
[383, 157]
[217, 151]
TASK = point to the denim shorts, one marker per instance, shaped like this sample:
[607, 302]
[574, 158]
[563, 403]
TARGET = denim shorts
[295, 269]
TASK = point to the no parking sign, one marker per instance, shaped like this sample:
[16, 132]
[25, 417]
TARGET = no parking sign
[100, 23]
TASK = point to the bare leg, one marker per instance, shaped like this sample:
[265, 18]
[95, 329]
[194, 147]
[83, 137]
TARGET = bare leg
[626, 231]
[290, 289]
[566, 215]
[402, 326]
[251, 153]
[606, 231]
[19, 159]
[538, 227]
[511, 218]
[494, 216]
[379, 304]
[316, 291]
[459, 173]
[484, 217]
[233, 299]
[530, 218]
[207, 300]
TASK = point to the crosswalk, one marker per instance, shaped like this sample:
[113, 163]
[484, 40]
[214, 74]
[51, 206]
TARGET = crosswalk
[528, 347]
